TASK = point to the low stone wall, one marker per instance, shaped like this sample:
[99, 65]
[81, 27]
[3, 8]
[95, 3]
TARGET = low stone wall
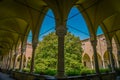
[27, 76]
[104, 76]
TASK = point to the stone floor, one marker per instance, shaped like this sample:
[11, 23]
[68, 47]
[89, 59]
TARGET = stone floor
[118, 78]
[5, 77]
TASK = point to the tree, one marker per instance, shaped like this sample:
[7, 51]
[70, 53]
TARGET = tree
[46, 54]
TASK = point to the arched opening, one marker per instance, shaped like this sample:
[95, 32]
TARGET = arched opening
[18, 59]
[45, 59]
[77, 27]
[99, 60]
[101, 41]
[101, 46]
[48, 25]
[114, 60]
[116, 41]
[24, 62]
[29, 38]
[87, 61]
[106, 59]
[99, 31]
[28, 52]
[115, 52]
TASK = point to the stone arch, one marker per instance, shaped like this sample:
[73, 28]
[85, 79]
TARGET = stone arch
[115, 60]
[86, 60]
[18, 61]
[117, 41]
[71, 26]
[106, 59]
[99, 60]
[45, 22]
[115, 50]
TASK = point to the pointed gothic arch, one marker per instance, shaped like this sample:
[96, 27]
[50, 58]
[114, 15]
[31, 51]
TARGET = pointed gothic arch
[99, 60]
[86, 60]
[106, 59]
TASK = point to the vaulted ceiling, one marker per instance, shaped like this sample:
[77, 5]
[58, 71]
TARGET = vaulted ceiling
[18, 17]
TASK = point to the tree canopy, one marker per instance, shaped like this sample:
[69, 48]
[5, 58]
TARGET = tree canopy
[47, 50]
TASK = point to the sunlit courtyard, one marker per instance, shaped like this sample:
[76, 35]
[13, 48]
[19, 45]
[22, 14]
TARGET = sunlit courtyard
[59, 40]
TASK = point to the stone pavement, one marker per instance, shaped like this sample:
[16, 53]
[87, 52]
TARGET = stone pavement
[5, 77]
[118, 78]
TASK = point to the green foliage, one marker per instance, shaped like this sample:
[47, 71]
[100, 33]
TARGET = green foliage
[51, 72]
[46, 55]
[26, 70]
[104, 70]
[87, 71]
[71, 72]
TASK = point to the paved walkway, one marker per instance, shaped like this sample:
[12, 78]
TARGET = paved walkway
[118, 78]
[5, 77]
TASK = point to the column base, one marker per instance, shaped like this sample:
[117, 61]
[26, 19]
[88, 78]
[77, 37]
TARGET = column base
[13, 69]
[61, 76]
[113, 71]
[20, 70]
[31, 72]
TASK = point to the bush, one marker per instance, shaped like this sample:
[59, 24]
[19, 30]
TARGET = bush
[104, 70]
[87, 71]
[16, 69]
[72, 72]
[51, 72]
[26, 70]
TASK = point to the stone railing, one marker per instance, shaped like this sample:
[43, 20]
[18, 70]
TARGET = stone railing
[28, 76]
[103, 76]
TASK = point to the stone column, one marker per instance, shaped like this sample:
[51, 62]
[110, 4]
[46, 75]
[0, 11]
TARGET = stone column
[61, 32]
[22, 58]
[10, 61]
[118, 60]
[103, 63]
[34, 45]
[14, 61]
[92, 64]
[1, 62]
[94, 44]
[7, 61]
[111, 59]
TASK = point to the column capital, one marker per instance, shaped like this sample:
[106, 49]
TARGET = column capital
[93, 42]
[61, 30]
[118, 52]
[34, 43]
[23, 49]
[109, 48]
[16, 52]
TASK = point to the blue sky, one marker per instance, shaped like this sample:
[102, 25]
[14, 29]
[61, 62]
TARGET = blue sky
[76, 25]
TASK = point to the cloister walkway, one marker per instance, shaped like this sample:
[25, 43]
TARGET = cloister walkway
[5, 77]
